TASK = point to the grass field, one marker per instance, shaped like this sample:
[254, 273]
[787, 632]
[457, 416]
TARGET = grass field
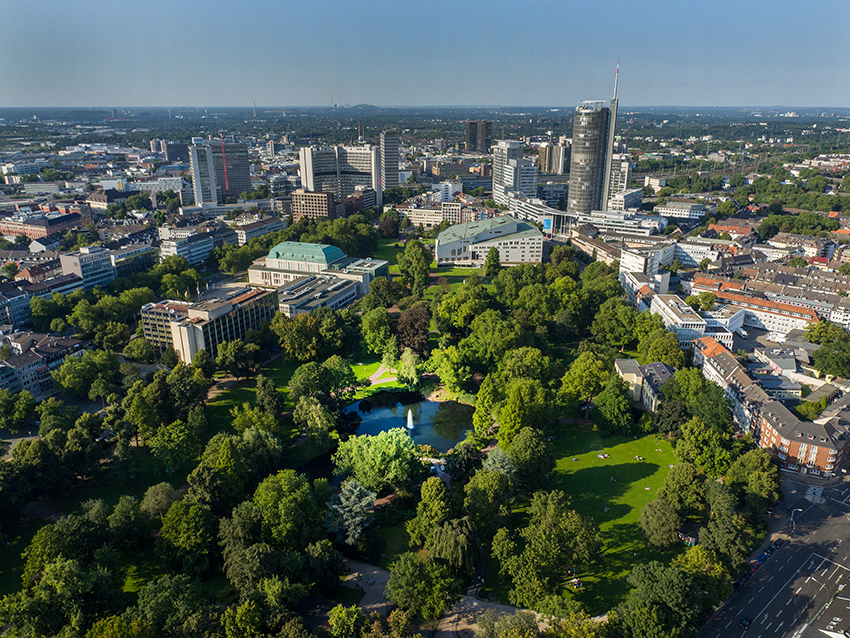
[587, 480]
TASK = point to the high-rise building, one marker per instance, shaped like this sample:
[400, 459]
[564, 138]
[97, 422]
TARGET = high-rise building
[554, 158]
[592, 151]
[512, 173]
[339, 169]
[313, 205]
[587, 161]
[478, 136]
[232, 168]
[621, 174]
[203, 174]
[389, 160]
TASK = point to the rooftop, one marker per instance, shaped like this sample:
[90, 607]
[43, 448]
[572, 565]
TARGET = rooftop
[302, 251]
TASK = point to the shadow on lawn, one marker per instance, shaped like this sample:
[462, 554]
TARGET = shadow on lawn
[592, 489]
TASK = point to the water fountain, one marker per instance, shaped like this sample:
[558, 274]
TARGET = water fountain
[410, 419]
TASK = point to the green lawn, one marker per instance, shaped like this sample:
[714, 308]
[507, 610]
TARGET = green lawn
[388, 250]
[587, 481]
[397, 540]
[457, 271]
[11, 563]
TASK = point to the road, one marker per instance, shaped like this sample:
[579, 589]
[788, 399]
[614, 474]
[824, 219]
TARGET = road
[787, 593]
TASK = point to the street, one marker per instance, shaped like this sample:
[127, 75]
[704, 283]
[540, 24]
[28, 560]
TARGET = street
[787, 593]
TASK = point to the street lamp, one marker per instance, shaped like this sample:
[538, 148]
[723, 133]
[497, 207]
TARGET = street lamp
[793, 524]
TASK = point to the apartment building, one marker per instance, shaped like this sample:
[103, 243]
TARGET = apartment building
[34, 357]
[685, 210]
[195, 248]
[644, 381]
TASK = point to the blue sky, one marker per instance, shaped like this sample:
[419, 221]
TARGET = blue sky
[432, 52]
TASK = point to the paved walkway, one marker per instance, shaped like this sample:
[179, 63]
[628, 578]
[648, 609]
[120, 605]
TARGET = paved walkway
[375, 379]
[371, 580]
[461, 620]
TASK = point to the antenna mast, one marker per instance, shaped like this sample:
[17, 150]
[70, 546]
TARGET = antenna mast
[612, 123]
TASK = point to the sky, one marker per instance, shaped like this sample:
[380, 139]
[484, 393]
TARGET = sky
[432, 52]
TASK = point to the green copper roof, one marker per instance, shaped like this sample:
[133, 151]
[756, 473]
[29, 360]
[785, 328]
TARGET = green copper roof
[302, 251]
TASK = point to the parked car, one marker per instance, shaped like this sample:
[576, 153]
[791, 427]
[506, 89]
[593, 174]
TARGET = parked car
[754, 566]
[737, 584]
[746, 622]
[769, 551]
[778, 542]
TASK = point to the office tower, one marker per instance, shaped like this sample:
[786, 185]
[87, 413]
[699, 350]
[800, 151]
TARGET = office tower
[232, 168]
[478, 136]
[554, 158]
[592, 150]
[389, 160]
[339, 169]
[512, 173]
[203, 174]
[314, 205]
[176, 152]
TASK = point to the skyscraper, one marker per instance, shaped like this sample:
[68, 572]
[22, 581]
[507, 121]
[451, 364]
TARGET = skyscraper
[389, 160]
[203, 174]
[511, 172]
[478, 136]
[590, 163]
[339, 169]
[232, 169]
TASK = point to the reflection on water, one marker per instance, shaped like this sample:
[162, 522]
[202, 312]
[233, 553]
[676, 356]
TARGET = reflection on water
[439, 424]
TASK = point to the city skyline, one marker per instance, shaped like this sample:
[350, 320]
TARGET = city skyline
[389, 54]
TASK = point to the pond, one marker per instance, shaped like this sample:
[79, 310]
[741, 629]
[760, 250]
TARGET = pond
[439, 424]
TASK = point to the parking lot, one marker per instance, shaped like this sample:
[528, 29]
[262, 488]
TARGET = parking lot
[786, 594]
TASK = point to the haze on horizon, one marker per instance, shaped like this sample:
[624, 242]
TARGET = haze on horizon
[475, 52]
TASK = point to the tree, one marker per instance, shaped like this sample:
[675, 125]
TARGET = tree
[299, 336]
[486, 501]
[171, 446]
[139, 349]
[833, 359]
[492, 265]
[77, 375]
[532, 459]
[169, 358]
[376, 329]
[346, 622]
[528, 404]
[187, 538]
[431, 512]
[670, 417]
[704, 264]
[754, 480]
[664, 602]
[482, 418]
[614, 323]
[613, 408]
[705, 568]
[464, 460]
[455, 544]
[348, 512]
[704, 446]
[662, 345]
[386, 459]
[585, 377]
[314, 419]
[554, 537]
[269, 400]
[413, 327]
[422, 587]
[408, 369]
[128, 524]
[205, 363]
[292, 510]
[237, 358]
[684, 489]
[414, 264]
[158, 498]
[659, 523]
